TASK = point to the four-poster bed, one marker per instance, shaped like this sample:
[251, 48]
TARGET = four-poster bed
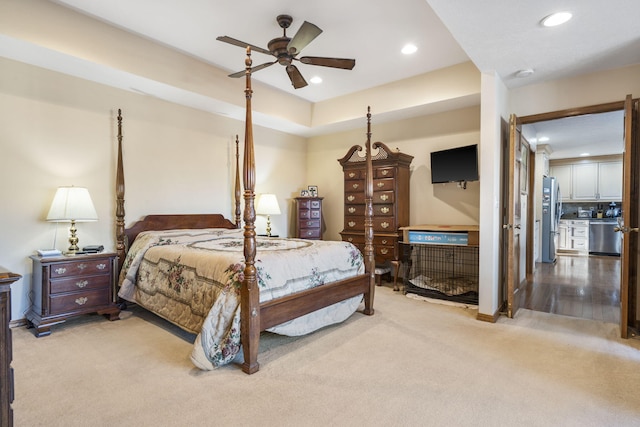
[300, 303]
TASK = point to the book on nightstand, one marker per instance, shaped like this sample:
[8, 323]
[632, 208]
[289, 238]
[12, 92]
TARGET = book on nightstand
[49, 252]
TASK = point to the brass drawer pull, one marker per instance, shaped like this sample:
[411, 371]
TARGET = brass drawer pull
[352, 174]
[384, 242]
[82, 300]
[352, 223]
[384, 251]
[82, 266]
[351, 209]
[82, 283]
[385, 172]
[351, 198]
[385, 225]
[101, 266]
[384, 197]
[350, 239]
[384, 209]
[380, 184]
[355, 186]
[60, 270]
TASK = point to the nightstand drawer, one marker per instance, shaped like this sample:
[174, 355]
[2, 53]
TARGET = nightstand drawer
[309, 233]
[304, 204]
[72, 284]
[75, 268]
[304, 214]
[310, 223]
[64, 303]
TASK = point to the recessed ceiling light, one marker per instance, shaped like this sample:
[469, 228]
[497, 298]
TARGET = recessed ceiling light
[543, 139]
[315, 80]
[554, 19]
[524, 73]
[584, 154]
[408, 49]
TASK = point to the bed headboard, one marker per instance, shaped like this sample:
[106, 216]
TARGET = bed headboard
[171, 222]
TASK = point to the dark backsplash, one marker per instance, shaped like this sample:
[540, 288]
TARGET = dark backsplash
[570, 210]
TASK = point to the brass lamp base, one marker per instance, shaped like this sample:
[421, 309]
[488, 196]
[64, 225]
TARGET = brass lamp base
[268, 226]
[73, 240]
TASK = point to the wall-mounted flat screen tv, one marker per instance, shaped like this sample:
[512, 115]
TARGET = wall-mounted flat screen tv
[455, 165]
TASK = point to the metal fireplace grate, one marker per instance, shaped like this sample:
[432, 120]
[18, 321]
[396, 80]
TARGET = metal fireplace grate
[446, 272]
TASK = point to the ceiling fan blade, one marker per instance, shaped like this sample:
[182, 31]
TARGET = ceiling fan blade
[346, 64]
[296, 78]
[236, 42]
[253, 69]
[303, 37]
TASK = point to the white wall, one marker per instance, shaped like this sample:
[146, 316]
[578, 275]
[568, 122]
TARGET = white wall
[59, 130]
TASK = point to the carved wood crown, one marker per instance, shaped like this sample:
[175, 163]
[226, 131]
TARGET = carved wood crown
[379, 151]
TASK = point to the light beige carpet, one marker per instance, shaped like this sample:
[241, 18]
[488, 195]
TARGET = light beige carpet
[413, 363]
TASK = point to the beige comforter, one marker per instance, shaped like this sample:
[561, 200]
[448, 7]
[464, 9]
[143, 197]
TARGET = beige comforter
[192, 278]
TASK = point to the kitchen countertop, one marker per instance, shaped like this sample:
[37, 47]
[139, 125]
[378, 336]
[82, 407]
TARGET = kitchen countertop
[591, 219]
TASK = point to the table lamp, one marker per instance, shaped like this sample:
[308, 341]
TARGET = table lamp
[72, 204]
[268, 205]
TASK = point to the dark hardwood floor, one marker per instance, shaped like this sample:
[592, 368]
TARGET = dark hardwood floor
[578, 286]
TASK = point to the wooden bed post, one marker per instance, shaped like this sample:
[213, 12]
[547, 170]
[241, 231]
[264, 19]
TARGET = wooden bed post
[249, 293]
[121, 249]
[237, 188]
[369, 255]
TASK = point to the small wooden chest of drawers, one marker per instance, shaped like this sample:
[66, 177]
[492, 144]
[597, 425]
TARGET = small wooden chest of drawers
[309, 218]
[69, 286]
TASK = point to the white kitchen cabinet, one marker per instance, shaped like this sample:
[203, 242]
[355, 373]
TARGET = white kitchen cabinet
[610, 181]
[574, 236]
[563, 175]
[584, 181]
[562, 236]
[589, 181]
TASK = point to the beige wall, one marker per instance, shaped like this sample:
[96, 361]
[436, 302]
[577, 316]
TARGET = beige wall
[430, 204]
[59, 130]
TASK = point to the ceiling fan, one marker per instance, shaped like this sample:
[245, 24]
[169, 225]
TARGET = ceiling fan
[286, 49]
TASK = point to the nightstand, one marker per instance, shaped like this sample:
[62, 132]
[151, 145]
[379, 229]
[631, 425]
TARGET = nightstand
[69, 286]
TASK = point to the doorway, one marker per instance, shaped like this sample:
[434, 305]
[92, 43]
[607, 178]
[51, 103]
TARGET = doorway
[578, 285]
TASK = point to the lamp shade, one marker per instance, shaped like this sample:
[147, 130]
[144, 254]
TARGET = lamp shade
[268, 205]
[72, 204]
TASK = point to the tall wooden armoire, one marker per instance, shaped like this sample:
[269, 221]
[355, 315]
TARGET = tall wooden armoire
[390, 200]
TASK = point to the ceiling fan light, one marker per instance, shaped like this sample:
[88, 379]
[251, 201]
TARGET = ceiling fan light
[556, 19]
[409, 49]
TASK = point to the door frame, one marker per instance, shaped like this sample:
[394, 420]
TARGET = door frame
[627, 306]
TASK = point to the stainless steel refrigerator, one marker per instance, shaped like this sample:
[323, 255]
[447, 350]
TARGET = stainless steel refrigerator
[551, 212]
